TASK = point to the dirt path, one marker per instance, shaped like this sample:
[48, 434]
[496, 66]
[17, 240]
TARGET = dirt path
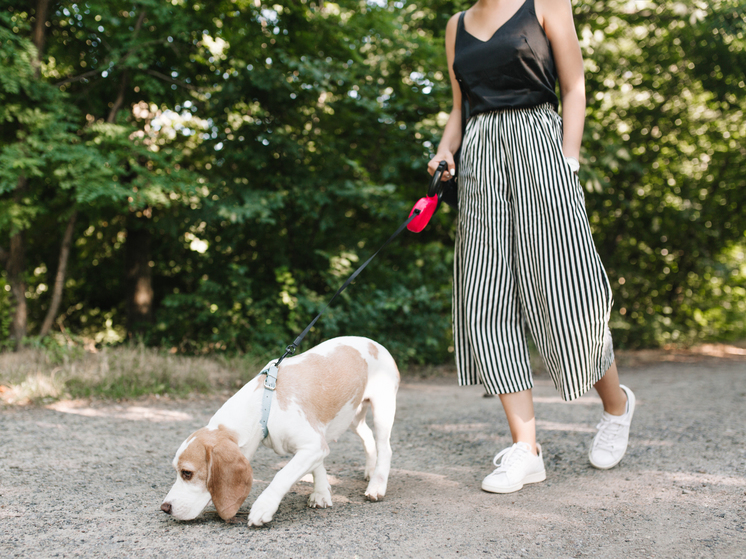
[87, 480]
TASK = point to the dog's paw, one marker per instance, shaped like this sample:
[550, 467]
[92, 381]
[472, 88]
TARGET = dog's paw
[374, 496]
[375, 492]
[376, 488]
[260, 515]
[319, 500]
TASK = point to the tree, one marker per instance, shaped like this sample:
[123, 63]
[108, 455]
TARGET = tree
[318, 157]
[35, 124]
[666, 195]
[226, 164]
[83, 153]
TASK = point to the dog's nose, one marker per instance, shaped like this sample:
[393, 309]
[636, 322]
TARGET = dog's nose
[166, 507]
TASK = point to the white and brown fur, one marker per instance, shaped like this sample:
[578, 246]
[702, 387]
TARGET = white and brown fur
[320, 393]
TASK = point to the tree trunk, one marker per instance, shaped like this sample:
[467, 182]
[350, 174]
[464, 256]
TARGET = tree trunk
[124, 82]
[16, 259]
[39, 37]
[139, 277]
[59, 280]
[119, 102]
[15, 266]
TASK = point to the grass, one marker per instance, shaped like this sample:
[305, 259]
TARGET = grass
[54, 371]
[45, 374]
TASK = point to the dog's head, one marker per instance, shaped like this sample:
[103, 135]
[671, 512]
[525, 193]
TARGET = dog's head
[209, 466]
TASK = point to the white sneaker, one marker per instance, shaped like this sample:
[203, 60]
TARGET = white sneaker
[610, 443]
[519, 466]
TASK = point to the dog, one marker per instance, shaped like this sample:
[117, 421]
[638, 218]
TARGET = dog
[319, 394]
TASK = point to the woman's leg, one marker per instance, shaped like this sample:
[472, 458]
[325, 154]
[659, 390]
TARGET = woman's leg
[613, 397]
[519, 409]
[522, 462]
[610, 443]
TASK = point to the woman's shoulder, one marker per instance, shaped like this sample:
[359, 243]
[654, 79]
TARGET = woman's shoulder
[453, 20]
[554, 15]
[552, 8]
[452, 25]
[553, 4]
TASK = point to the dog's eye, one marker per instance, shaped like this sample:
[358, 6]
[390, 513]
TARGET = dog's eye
[186, 474]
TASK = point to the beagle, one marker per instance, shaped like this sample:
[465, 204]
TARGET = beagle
[318, 395]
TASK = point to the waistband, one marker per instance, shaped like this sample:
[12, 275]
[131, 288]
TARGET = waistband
[543, 108]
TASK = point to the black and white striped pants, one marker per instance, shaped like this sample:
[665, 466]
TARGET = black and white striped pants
[525, 256]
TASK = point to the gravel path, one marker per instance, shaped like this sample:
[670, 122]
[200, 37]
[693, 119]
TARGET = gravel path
[87, 479]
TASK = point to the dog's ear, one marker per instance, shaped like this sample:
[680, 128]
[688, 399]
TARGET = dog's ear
[229, 477]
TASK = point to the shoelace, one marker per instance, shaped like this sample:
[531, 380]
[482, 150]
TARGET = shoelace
[511, 456]
[607, 433]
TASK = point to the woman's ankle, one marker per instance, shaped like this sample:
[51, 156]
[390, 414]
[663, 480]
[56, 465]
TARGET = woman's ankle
[617, 406]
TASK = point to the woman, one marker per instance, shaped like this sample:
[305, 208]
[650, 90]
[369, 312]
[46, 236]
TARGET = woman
[524, 252]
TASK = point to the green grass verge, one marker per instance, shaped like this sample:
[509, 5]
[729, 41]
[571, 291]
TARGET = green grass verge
[45, 374]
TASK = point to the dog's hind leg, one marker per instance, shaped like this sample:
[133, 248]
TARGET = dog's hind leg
[360, 427]
[384, 410]
[322, 490]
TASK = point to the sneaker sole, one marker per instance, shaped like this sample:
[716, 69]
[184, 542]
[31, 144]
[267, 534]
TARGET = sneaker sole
[633, 402]
[531, 478]
[607, 467]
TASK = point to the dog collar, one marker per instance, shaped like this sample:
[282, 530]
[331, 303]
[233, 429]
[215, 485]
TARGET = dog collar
[270, 383]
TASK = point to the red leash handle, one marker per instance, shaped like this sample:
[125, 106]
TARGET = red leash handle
[429, 204]
[427, 207]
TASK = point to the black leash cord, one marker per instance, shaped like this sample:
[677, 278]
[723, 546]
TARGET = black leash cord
[292, 347]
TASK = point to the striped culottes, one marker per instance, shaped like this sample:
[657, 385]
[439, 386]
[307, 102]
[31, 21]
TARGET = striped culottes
[525, 257]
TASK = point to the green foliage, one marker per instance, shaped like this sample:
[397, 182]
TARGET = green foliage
[64, 140]
[56, 349]
[270, 149]
[664, 147]
[313, 134]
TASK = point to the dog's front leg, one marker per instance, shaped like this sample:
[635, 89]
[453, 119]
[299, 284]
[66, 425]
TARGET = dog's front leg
[322, 490]
[306, 460]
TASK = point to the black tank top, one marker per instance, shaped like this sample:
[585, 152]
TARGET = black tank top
[514, 68]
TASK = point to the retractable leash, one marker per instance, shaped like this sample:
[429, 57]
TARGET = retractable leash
[428, 205]
[418, 218]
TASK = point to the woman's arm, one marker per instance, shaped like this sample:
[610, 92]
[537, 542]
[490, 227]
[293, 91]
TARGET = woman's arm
[451, 139]
[556, 18]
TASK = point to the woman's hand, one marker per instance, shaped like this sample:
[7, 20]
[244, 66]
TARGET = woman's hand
[446, 156]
